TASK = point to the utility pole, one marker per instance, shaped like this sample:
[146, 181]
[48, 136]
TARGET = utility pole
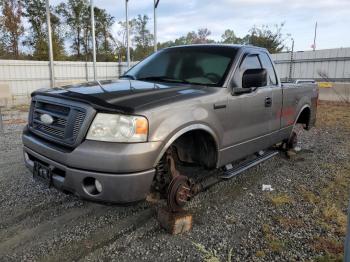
[156, 3]
[315, 36]
[49, 35]
[93, 38]
[291, 61]
[127, 33]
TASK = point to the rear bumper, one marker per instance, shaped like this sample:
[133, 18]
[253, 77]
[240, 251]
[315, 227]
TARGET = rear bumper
[116, 188]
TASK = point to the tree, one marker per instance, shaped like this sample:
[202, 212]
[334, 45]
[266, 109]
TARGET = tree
[272, 40]
[2, 41]
[11, 25]
[229, 37]
[37, 40]
[190, 38]
[104, 39]
[202, 37]
[75, 14]
[121, 44]
[143, 39]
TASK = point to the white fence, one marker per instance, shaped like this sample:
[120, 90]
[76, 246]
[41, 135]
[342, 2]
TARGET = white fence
[321, 65]
[23, 77]
[20, 78]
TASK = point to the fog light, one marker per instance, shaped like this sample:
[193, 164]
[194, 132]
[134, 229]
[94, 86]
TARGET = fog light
[92, 186]
[98, 186]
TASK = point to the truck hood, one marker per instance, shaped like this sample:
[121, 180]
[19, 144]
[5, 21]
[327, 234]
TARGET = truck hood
[125, 96]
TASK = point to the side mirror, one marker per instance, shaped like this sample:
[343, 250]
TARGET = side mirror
[254, 78]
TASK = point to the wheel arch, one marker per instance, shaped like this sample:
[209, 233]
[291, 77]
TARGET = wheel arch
[187, 129]
[304, 116]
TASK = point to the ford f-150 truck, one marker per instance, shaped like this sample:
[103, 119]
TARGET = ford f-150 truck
[202, 105]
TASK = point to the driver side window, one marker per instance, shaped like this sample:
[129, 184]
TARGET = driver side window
[250, 62]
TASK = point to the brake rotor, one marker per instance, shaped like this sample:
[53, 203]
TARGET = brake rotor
[179, 193]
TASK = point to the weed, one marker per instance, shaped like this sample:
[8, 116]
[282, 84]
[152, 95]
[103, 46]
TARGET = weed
[260, 254]
[276, 245]
[281, 199]
[329, 245]
[290, 222]
[329, 257]
[208, 255]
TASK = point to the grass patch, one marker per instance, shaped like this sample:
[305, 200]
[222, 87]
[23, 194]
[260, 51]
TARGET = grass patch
[260, 254]
[274, 244]
[333, 214]
[281, 199]
[333, 115]
[208, 255]
[309, 196]
[290, 222]
[329, 245]
[330, 207]
[329, 257]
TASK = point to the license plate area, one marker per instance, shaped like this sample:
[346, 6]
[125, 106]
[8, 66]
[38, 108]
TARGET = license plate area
[42, 173]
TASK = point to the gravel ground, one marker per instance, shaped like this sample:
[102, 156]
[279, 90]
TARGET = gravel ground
[304, 217]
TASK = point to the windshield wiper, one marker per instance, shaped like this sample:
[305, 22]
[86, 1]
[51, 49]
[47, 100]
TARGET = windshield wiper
[164, 79]
[128, 76]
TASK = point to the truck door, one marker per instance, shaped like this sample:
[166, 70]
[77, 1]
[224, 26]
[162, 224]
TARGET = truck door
[249, 114]
[276, 92]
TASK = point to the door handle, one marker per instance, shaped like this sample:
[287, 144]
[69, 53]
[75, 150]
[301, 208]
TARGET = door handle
[268, 102]
[219, 106]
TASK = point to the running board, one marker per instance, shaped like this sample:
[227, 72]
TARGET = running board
[248, 164]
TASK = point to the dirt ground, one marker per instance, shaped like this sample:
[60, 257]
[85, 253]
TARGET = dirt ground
[304, 218]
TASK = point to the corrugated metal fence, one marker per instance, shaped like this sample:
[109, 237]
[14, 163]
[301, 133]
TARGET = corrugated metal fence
[322, 65]
[21, 78]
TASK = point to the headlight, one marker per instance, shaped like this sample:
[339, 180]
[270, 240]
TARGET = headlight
[118, 128]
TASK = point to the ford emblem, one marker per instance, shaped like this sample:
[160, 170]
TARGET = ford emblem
[46, 119]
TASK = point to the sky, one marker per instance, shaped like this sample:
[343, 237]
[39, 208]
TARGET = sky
[176, 18]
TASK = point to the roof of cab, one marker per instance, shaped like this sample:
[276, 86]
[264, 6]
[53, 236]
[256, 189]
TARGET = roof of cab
[234, 46]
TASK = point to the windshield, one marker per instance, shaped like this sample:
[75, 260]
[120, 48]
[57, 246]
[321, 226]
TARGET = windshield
[199, 65]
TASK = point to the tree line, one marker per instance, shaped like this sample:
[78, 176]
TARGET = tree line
[23, 33]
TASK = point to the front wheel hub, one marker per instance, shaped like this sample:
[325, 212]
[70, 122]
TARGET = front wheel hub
[179, 193]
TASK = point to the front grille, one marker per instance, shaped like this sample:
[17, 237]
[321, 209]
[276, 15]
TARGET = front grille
[61, 123]
[51, 131]
[79, 119]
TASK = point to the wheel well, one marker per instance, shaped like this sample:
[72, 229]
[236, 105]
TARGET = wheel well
[197, 147]
[304, 117]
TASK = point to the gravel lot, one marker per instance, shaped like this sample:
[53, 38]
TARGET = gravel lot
[304, 217]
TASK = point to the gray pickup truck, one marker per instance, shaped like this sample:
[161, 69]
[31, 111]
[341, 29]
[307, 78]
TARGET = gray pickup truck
[202, 106]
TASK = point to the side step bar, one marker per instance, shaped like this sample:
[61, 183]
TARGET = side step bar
[248, 164]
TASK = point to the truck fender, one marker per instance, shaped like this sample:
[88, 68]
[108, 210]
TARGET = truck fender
[184, 130]
[300, 111]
